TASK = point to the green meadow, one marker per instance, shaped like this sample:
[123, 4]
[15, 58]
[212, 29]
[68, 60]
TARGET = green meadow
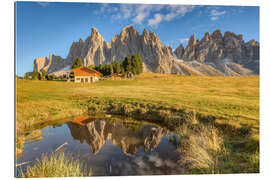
[220, 112]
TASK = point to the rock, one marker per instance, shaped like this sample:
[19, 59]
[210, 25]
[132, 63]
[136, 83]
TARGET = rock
[155, 55]
[128, 75]
[179, 51]
[40, 64]
[206, 37]
[216, 48]
[50, 65]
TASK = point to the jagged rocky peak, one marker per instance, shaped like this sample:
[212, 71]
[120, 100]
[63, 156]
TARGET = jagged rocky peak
[94, 31]
[49, 65]
[206, 37]
[145, 33]
[153, 34]
[231, 35]
[39, 63]
[217, 34]
[216, 49]
[192, 40]
[96, 36]
[179, 51]
[253, 43]
[128, 31]
[80, 41]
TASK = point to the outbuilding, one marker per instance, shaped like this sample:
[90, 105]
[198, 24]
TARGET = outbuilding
[85, 75]
[115, 76]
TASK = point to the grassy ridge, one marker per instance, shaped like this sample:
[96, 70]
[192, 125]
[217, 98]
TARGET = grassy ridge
[228, 104]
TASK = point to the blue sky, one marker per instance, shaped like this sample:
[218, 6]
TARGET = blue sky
[43, 28]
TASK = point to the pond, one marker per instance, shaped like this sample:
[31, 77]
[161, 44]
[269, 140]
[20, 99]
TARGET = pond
[111, 146]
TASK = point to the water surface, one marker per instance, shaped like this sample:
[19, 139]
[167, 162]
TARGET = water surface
[110, 147]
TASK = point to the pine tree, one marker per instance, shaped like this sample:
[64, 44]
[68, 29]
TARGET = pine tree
[139, 64]
[107, 70]
[111, 69]
[117, 68]
[77, 63]
[127, 64]
[92, 66]
[122, 70]
[35, 75]
[43, 74]
[26, 75]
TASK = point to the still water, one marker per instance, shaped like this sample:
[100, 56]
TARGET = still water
[110, 147]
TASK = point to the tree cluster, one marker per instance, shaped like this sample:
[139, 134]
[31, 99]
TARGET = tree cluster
[131, 64]
[76, 63]
[40, 75]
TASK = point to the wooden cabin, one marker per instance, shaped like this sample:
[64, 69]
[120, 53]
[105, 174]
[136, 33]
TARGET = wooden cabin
[115, 76]
[85, 75]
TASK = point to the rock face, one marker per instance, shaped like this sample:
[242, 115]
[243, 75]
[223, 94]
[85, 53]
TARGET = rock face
[53, 64]
[129, 140]
[213, 55]
[217, 50]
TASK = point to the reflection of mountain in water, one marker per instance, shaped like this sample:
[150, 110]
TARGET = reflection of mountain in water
[127, 136]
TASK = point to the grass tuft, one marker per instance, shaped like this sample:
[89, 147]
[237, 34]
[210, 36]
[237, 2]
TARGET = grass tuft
[201, 149]
[55, 165]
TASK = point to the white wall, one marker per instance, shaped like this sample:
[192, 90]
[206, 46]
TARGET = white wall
[84, 77]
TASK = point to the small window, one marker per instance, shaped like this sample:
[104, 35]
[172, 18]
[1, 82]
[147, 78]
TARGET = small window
[77, 79]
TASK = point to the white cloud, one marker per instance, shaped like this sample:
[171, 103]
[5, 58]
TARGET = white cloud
[145, 13]
[155, 21]
[142, 11]
[216, 14]
[214, 18]
[176, 11]
[184, 40]
[44, 4]
[101, 9]
[104, 10]
[139, 18]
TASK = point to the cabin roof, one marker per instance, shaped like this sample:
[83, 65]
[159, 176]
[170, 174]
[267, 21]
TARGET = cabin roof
[84, 71]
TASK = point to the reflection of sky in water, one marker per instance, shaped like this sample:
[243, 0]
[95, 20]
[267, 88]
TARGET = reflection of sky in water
[118, 148]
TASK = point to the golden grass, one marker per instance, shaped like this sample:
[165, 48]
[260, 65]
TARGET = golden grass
[202, 149]
[233, 101]
[55, 165]
[234, 98]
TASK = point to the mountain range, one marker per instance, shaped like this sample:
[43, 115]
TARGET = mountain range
[214, 54]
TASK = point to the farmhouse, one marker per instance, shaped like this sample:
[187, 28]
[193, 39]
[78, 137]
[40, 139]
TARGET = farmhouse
[85, 75]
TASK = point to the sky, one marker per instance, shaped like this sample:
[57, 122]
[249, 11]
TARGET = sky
[46, 27]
